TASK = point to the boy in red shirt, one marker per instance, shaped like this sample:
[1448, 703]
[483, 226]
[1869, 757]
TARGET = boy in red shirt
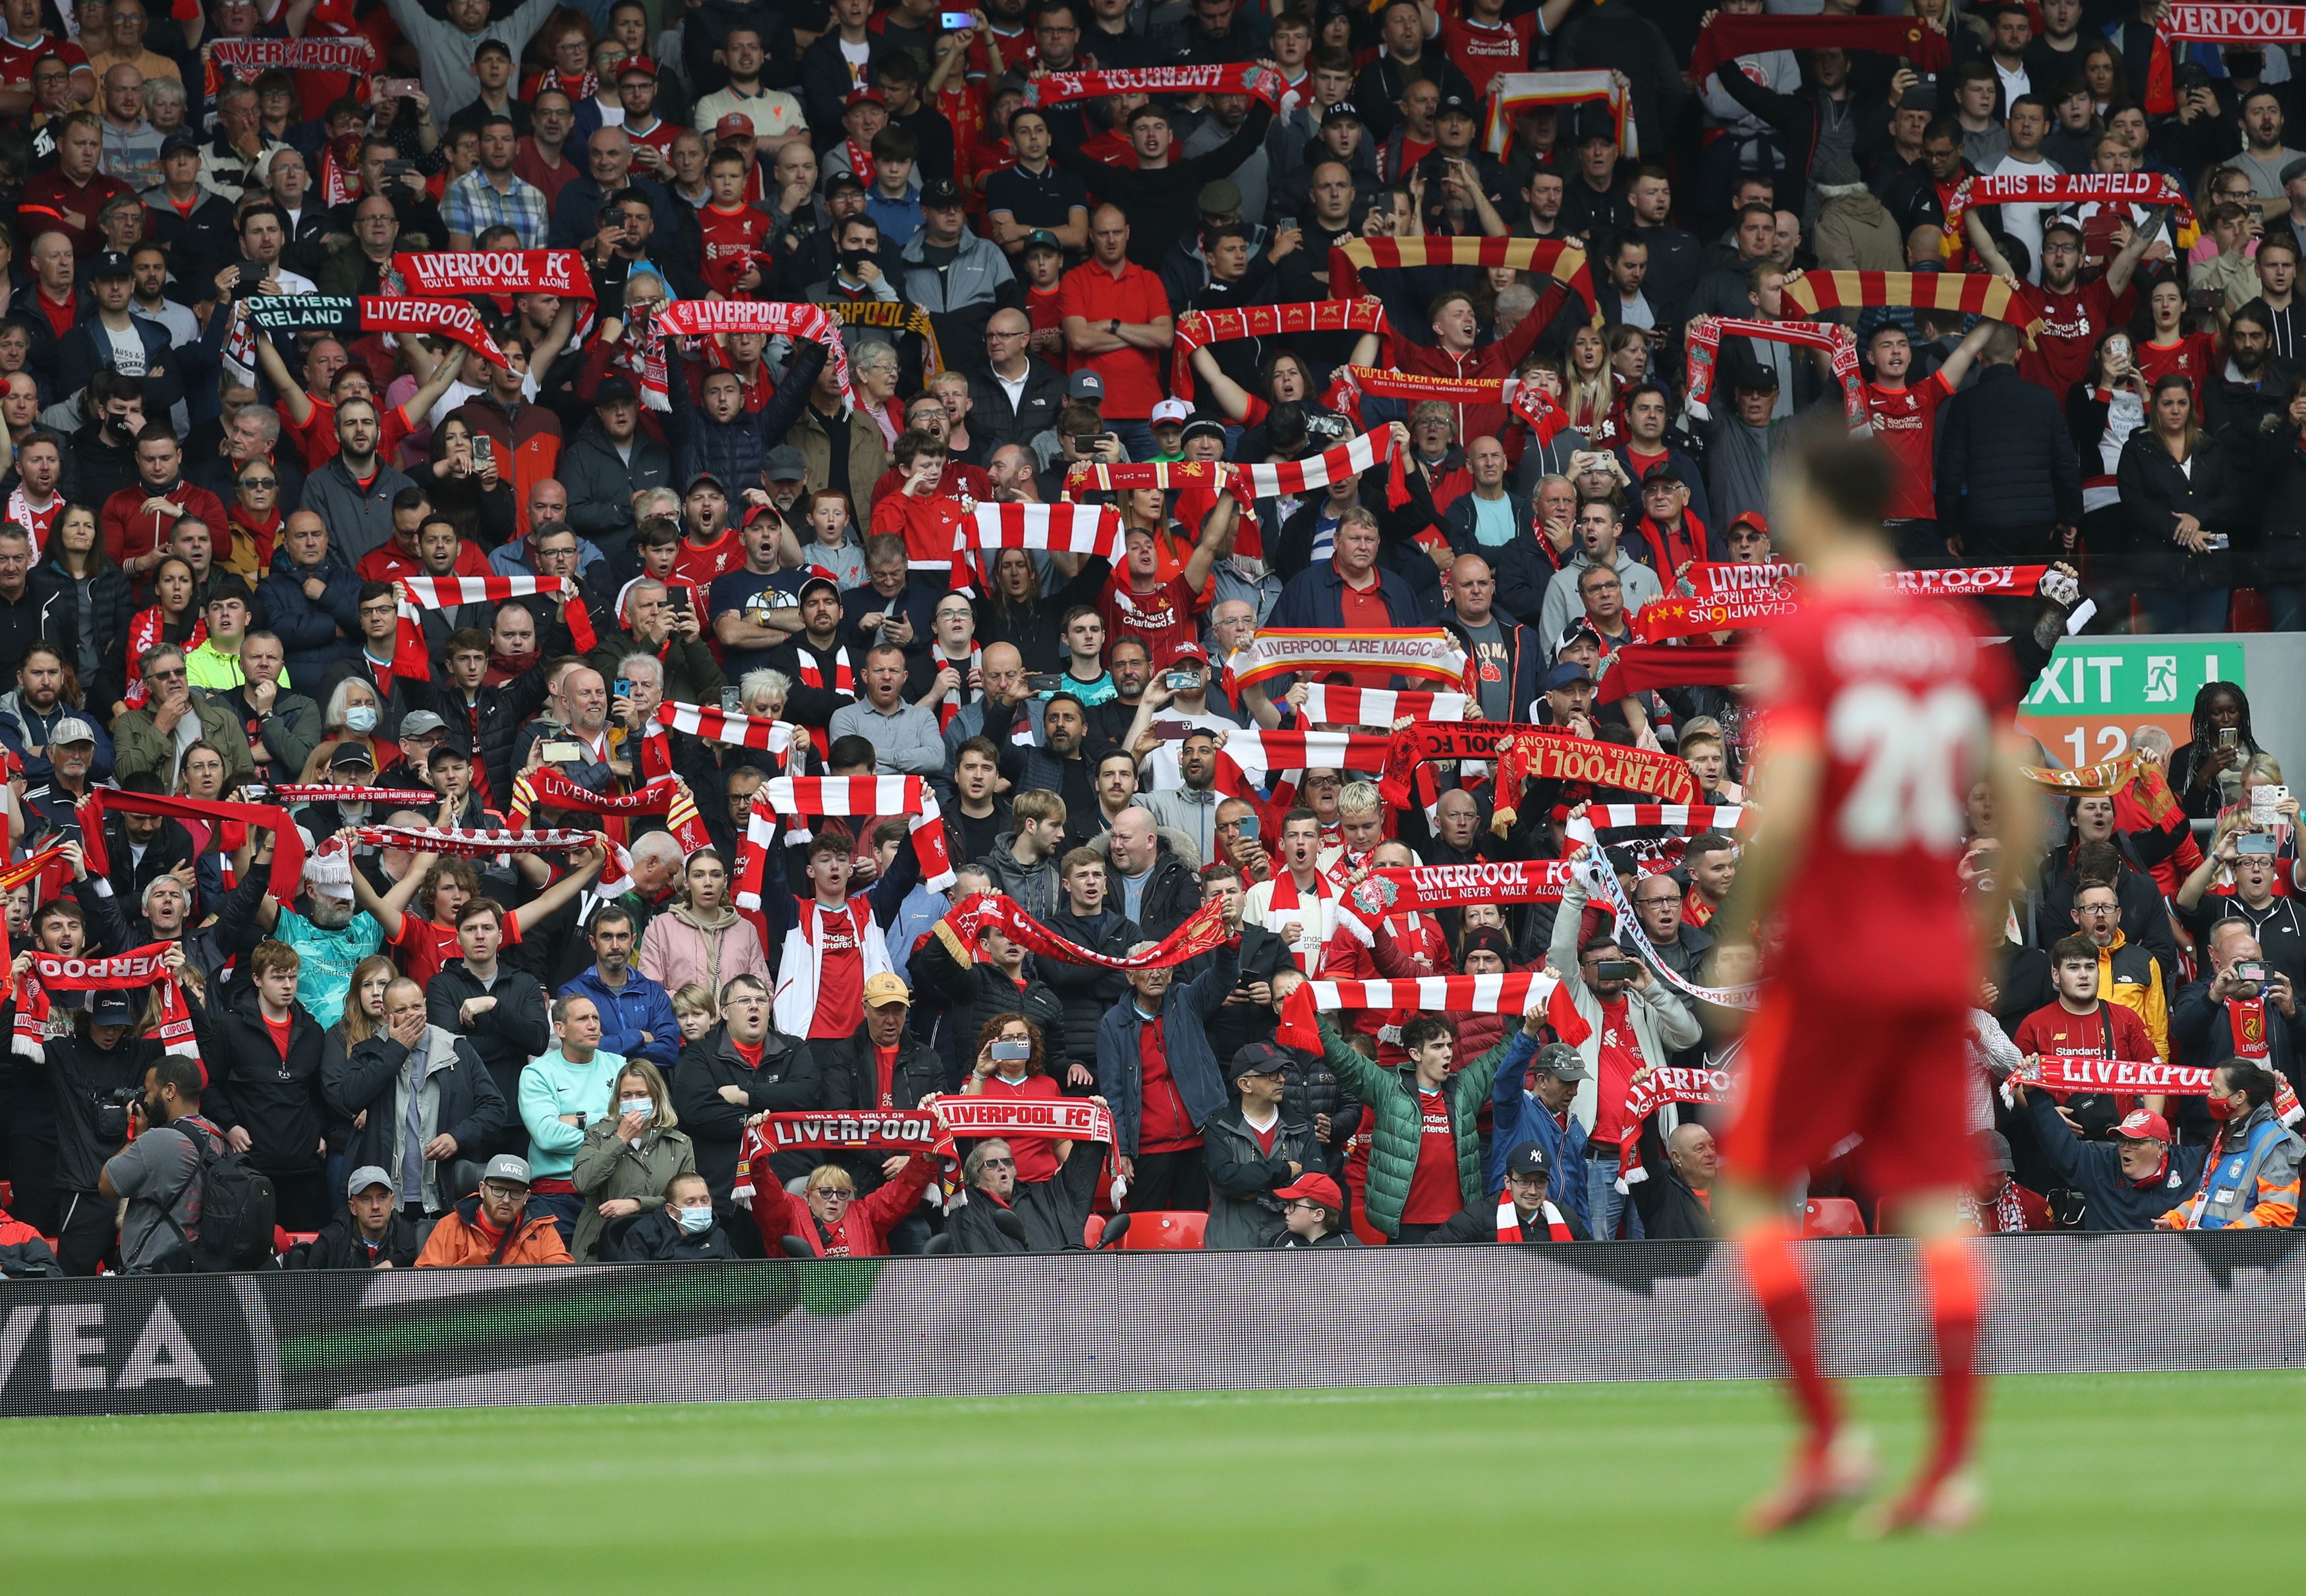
[735, 233]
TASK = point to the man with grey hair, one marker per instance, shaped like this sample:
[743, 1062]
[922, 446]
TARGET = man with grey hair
[151, 740]
[673, 638]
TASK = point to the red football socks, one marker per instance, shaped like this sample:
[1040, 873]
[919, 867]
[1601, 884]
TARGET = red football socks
[1954, 1280]
[1768, 1255]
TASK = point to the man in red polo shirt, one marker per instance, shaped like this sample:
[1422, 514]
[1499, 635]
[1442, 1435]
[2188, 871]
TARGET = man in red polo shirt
[1117, 323]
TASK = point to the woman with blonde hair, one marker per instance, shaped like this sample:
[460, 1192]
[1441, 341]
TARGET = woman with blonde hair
[630, 1154]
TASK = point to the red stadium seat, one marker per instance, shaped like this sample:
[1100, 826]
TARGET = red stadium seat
[1092, 1231]
[1164, 1231]
[2248, 612]
[1832, 1216]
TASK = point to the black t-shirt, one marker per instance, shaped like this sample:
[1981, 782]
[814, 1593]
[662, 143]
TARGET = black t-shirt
[754, 596]
[977, 836]
[1043, 202]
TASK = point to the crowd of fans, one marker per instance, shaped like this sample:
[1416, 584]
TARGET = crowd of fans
[533, 1057]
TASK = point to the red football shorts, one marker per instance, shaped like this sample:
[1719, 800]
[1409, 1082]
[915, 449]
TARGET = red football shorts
[1819, 1069]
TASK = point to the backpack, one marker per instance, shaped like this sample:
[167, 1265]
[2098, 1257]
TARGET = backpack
[237, 1208]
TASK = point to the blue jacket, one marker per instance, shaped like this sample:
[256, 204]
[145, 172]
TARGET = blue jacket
[314, 633]
[1312, 598]
[1515, 1117]
[2094, 1169]
[1192, 1062]
[640, 1005]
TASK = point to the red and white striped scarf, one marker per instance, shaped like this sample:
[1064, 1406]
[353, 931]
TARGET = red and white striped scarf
[1198, 329]
[1378, 706]
[1251, 755]
[1061, 528]
[419, 593]
[1706, 333]
[132, 971]
[1300, 477]
[842, 686]
[1557, 1228]
[616, 876]
[148, 628]
[1514, 993]
[1685, 818]
[865, 797]
[951, 703]
[733, 729]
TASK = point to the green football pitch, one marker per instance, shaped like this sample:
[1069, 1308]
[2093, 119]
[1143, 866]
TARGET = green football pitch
[2135, 1482]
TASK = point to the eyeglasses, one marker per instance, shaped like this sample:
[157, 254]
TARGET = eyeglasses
[506, 1193]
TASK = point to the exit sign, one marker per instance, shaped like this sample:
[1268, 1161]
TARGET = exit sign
[2098, 691]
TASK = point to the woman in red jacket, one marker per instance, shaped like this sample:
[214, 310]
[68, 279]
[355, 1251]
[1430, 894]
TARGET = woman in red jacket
[829, 1215]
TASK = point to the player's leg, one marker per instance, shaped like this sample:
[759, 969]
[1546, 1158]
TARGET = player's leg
[1926, 1159]
[1770, 1139]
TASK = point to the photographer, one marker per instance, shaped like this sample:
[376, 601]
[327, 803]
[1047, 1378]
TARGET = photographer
[2243, 1011]
[160, 1171]
[2248, 853]
[95, 1073]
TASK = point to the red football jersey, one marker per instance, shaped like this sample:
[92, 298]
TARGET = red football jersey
[1901, 703]
[2194, 358]
[1906, 421]
[2072, 325]
[730, 244]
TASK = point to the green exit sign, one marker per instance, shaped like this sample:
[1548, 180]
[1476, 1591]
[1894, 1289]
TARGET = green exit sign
[2146, 676]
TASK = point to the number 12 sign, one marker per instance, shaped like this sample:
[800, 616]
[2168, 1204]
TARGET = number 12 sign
[2098, 691]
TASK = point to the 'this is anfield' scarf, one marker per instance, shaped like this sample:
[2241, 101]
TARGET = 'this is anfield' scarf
[1204, 930]
[287, 841]
[1511, 994]
[1197, 329]
[1706, 333]
[2077, 188]
[2214, 24]
[1431, 653]
[1663, 1085]
[132, 972]
[1729, 37]
[1548, 257]
[1971, 293]
[1230, 77]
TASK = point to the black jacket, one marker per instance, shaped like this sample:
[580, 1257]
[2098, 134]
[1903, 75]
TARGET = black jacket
[973, 991]
[339, 1246]
[2145, 918]
[1234, 1025]
[81, 1079]
[601, 484]
[788, 1080]
[1053, 1211]
[852, 1080]
[1243, 1212]
[993, 421]
[276, 1100]
[508, 1036]
[2007, 473]
[654, 1238]
[2282, 510]
[1670, 1210]
[2111, 1200]
[2155, 492]
[1171, 893]
[1086, 990]
[364, 1079]
[111, 606]
[1479, 1223]
[171, 846]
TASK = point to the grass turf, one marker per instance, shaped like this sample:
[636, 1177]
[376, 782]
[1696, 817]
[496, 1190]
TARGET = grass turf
[2095, 1482]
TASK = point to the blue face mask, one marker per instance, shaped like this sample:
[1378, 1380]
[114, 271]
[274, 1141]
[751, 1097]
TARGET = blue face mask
[642, 1107]
[696, 1221]
[361, 717]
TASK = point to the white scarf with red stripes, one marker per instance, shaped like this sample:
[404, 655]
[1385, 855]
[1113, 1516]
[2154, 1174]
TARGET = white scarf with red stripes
[1557, 1228]
[1685, 818]
[1379, 706]
[991, 526]
[727, 727]
[864, 797]
[419, 593]
[1514, 993]
[1296, 478]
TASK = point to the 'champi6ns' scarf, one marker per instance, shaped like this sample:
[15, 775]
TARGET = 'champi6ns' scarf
[1706, 333]
[132, 972]
[1971, 293]
[1550, 257]
[1730, 37]
[1197, 329]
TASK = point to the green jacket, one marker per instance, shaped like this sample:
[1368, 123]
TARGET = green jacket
[140, 749]
[1396, 1126]
[606, 1169]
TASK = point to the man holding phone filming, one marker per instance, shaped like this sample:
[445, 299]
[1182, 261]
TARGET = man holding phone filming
[2246, 1011]
[1634, 1021]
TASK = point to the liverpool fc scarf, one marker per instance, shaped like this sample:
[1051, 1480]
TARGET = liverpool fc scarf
[840, 1131]
[1203, 931]
[1431, 653]
[1055, 1119]
[419, 593]
[1511, 993]
[451, 319]
[1099, 478]
[864, 797]
[1197, 329]
[894, 315]
[244, 58]
[692, 318]
[447, 273]
[1523, 752]
[1229, 77]
[2095, 1072]
[1512, 92]
[1813, 293]
[288, 840]
[132, 972]
[1706, 333]
[1550, 257]
[666, 795]
[1730, 37]
[1425, 888]
[1663, 1085]
[2257, 26]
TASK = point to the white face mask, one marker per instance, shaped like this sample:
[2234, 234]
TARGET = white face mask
[361, 717]
[642, 1107]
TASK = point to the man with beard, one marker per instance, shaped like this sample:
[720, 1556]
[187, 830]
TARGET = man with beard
[2075, 314]
[30, 716]
[330, 937]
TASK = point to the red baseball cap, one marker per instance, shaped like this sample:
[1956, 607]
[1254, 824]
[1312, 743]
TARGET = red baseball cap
[736, 124]
[1318, 1188]
[2138, 1126]
[636, 64]
[1754, 518]
[1185, 649]
[857, 97]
